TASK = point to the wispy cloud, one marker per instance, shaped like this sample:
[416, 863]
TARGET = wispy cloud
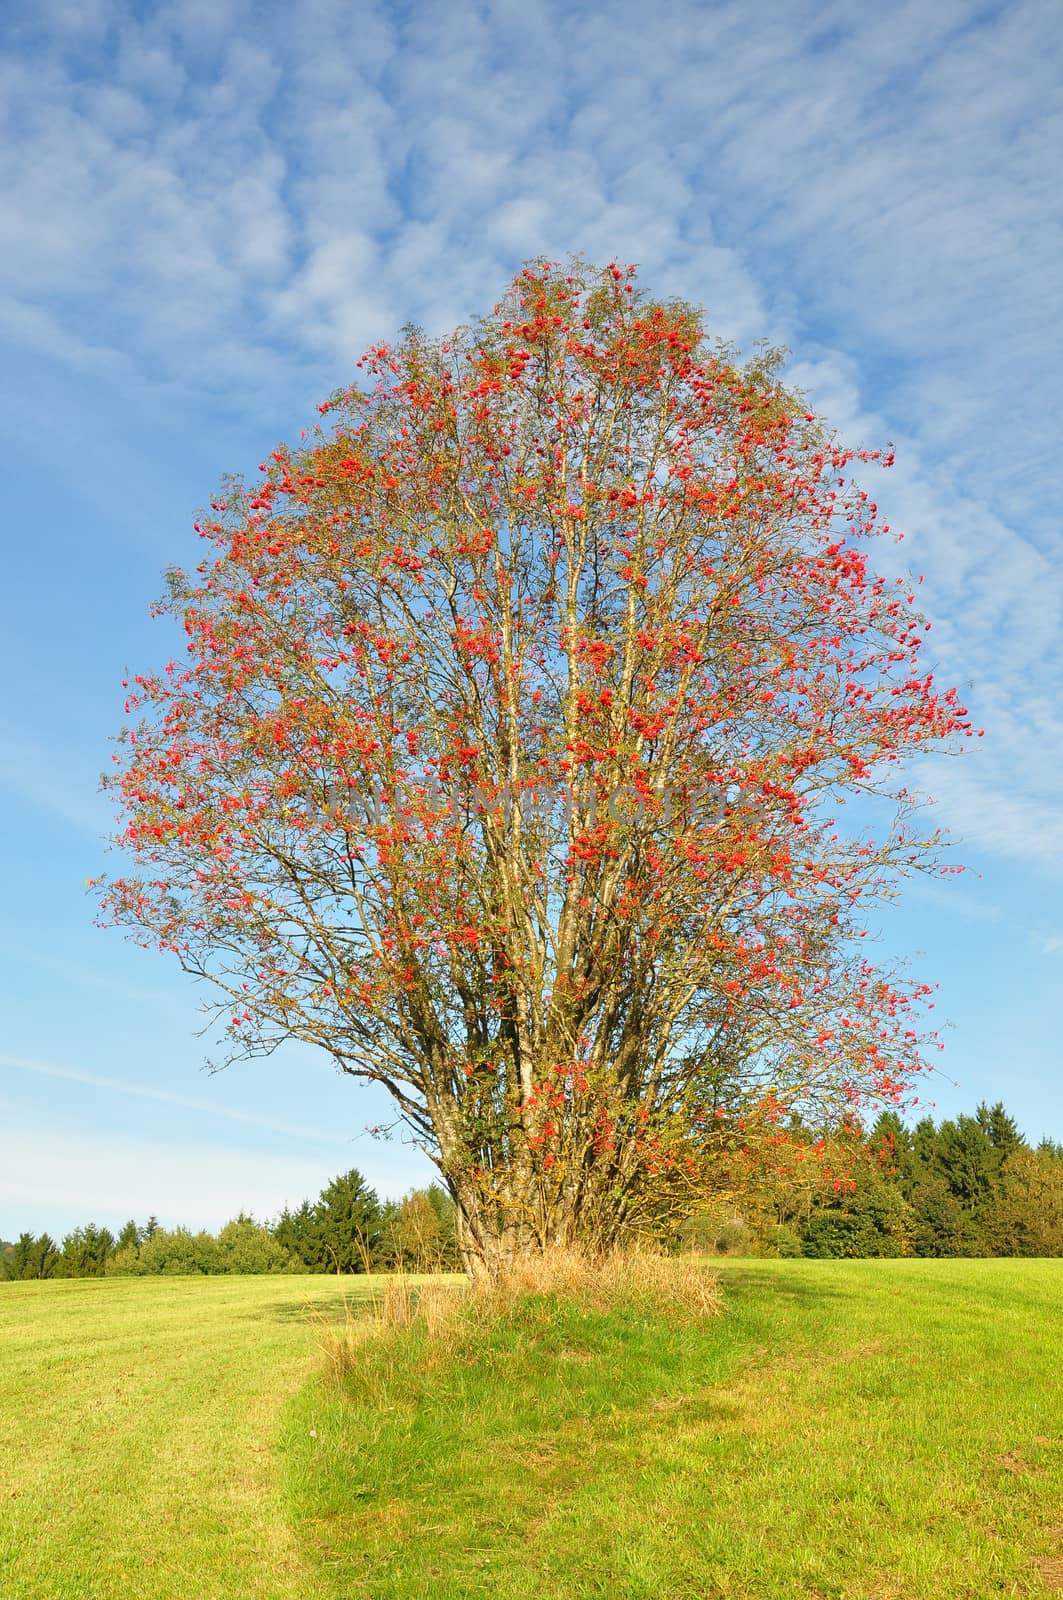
[202, 1107]
[239, 211]
[52, 778]
[55, 1179]
[69, 971]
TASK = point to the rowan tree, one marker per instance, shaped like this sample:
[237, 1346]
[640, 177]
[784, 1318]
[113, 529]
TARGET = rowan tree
[518, 702]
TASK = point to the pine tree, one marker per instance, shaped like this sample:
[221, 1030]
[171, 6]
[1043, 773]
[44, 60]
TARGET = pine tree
[1001, 1130]
[348, 1216]
[129, 1238]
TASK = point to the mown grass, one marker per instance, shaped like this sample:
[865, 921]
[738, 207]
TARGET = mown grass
[138, 1420]
[853, 1430]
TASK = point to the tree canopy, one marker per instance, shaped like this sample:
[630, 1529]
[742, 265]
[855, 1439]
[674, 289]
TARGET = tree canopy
[504, 764]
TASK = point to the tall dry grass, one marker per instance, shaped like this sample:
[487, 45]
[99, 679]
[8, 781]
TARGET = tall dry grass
[443, 1313]
[663, 1284]
[401, 1305]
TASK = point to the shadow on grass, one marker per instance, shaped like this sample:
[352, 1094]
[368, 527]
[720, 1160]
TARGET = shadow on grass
[354, 1300]
[331, 1309]
[748, 1280]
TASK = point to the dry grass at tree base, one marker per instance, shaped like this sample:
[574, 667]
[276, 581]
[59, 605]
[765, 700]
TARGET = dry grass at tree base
[638, 1279]
[445, 1310]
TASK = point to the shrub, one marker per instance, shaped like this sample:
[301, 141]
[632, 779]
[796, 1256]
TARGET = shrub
[875, 1221]
[125, 1263]
[177, 1251]
[716, 1233]
[784, 1241]
[244, 1245]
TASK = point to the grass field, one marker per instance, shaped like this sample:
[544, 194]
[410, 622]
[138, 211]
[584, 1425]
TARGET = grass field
[138, 1418]
[888, 1430]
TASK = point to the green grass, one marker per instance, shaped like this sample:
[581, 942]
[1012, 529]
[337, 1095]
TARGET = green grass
[138, 1420]
[887, 1430]
[861, 1430]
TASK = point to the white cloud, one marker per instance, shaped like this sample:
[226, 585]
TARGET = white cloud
[106, 1177]
[69, 971]
[239, 211]
[49, 777]
[71, 1176]
[139, 1091]
[1000, 819]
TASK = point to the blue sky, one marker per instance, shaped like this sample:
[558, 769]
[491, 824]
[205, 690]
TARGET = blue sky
[208, 208]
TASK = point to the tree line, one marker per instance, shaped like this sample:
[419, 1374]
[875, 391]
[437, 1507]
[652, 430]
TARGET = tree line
[964, 1186]
[347, 1229]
